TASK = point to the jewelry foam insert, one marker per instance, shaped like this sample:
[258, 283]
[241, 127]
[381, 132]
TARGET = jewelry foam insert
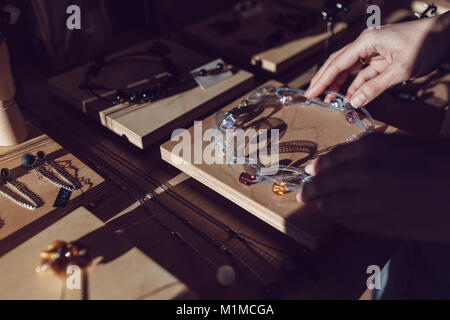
[144, 123]
[14, 218]
[118, 269]
[312, 128]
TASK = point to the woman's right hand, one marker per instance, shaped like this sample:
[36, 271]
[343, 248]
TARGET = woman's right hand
[393, 54]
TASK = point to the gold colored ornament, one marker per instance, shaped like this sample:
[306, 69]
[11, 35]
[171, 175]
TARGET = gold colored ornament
[60, 254]
[279, 188]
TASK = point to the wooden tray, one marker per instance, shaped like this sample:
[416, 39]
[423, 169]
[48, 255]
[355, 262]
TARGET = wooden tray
[118, 271]
[246, 43]
[13, 217]
[143, 124]
[318, 128]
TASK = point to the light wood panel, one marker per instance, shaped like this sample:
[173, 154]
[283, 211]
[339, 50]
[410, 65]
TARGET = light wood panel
[143, 124]
[118, 271]
[15, 217]
[247, 42]
[307, 125]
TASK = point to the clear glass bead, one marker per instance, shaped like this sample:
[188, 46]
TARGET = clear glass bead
[228, 121]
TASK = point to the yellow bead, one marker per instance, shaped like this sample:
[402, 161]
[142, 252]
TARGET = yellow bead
[279, 188]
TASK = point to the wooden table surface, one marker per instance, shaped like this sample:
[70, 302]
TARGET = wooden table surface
[263, 258]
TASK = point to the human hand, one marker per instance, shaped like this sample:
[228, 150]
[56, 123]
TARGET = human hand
[392, 54]
[394, 186]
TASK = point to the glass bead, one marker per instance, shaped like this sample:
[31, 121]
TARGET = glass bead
[350, 117]
[286, 100]
[336, 103]
[5, 173]
[40, 155]
[219, 66]
[246, 178]
[352, 138]
[279, 188]
[28, 160]
[228, 121]
[202, 72]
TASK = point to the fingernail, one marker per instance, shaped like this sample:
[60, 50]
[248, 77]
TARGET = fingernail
[310, 168]
[358, 100]
[308, 91]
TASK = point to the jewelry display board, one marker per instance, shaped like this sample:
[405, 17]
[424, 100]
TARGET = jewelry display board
[305, 126]
[118, 269]
[13, 217]
[276, 37]
[144, 123]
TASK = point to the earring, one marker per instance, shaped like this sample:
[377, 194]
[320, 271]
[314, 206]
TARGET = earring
[37, 162]
[29, 204]
[220, 68]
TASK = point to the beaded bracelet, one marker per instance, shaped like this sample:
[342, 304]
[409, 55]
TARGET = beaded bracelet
[283, 178]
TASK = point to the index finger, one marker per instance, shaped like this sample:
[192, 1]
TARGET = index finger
[342, 62]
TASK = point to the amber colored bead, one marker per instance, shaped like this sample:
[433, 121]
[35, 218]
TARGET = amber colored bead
[279, 188]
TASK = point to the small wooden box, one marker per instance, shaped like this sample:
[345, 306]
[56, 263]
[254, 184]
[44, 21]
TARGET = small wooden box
[311, 126]
[144, 123]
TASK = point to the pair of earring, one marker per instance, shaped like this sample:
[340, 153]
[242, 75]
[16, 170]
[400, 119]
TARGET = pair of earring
[15, 193]
[38, 161]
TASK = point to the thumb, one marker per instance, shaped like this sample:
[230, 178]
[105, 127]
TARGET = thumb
[375, 86]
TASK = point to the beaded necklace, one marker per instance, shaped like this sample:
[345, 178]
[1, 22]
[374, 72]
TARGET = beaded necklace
[284, 178]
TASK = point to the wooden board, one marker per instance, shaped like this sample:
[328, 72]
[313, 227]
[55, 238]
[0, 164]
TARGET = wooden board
[143, 124]
[248, 42]
[300, 75]
[308, 125]
[14, 217]
[118, 271]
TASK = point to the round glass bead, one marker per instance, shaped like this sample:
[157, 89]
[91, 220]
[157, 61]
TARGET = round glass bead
[5, 173]
[228, 121]
[202, 72]
[243, 104]
[28, 159]
[286, 100]
[350, 117]
[279, 188]
[40, 155]
[336, 103]
[219, 66]
[246, 178]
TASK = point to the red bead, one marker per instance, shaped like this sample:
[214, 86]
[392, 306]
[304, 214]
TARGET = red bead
[246, 178]
[350, 117]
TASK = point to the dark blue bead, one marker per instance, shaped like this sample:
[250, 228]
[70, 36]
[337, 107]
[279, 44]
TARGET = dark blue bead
[28, 159]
